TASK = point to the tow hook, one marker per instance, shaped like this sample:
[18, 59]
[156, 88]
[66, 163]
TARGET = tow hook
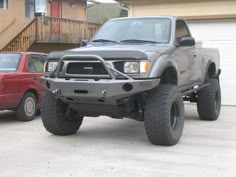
[57, 92]
[104, 93]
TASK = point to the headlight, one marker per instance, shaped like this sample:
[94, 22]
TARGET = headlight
[51, 66]
[136, 67]
[131, 67]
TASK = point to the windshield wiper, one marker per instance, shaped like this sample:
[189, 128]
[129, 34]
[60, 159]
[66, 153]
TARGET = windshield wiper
[138, 41]
[105, 40]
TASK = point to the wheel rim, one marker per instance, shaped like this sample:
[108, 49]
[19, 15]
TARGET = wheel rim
[29, 106]
[174, 115]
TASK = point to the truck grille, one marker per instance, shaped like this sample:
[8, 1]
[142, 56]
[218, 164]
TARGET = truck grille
[86, 68]
[119, 66]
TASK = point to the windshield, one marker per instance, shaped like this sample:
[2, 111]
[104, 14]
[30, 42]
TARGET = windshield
[135, 30]
[9, 62]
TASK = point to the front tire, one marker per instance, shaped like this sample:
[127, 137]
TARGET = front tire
[57, 118]
[164, 115]
[27, 108]
[209, 101]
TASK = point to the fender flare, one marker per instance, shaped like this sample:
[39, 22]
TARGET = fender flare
[216, 73]
[161, 65]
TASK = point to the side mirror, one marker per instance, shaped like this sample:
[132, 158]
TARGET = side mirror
[84, 43]
[187, 41]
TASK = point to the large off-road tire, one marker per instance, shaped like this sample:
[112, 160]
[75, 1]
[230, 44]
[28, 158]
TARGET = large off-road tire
[164, 115]
[209, 101]
[57, 118]
[27, 108]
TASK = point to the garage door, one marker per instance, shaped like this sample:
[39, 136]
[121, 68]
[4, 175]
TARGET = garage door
[221, 35]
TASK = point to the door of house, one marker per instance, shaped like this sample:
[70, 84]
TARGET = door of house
[56, 14]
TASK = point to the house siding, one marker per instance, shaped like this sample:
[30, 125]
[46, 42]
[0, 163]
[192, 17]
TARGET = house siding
[189, 9]
[15, 12]
[77, 12]
[13, 20]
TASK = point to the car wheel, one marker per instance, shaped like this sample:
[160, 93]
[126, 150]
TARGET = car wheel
[27, 108]
[164, 115]
[209, 101]
[57, 118]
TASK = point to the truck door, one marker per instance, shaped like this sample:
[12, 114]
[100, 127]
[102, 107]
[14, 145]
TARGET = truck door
[186, 57]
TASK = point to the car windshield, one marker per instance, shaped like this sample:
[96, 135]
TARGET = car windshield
[134, 30]
[9, 62]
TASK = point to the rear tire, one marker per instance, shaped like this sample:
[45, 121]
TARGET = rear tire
[209, 101]
[57, 118]
[27, 108]
[164, 115]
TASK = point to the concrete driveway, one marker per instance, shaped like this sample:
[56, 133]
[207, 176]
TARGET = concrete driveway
[108, 147]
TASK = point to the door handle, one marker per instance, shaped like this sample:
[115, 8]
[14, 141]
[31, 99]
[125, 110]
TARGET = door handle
[34, 78]
[194, 54]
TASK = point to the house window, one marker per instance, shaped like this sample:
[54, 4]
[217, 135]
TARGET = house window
[29, 8]
[3, 4]
[40, 6]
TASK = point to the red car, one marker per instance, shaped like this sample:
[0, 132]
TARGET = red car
[20, 89]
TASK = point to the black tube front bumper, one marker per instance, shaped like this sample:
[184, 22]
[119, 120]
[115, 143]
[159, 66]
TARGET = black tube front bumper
[104, 91]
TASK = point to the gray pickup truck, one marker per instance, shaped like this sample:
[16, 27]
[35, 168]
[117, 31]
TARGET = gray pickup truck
[142, 68]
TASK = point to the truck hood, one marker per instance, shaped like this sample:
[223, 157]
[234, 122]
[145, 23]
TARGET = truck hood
[120, 51]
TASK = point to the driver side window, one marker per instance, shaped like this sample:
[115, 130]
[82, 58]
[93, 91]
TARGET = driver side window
[181, 30]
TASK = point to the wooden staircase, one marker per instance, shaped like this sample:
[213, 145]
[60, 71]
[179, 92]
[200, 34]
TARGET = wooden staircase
[24, 39]
[49, 30]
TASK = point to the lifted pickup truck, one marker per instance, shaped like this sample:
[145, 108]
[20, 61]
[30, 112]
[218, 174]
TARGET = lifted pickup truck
[141, 68]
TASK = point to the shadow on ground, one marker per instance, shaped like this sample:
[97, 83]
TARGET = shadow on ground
[7, 116]
[104, 129]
